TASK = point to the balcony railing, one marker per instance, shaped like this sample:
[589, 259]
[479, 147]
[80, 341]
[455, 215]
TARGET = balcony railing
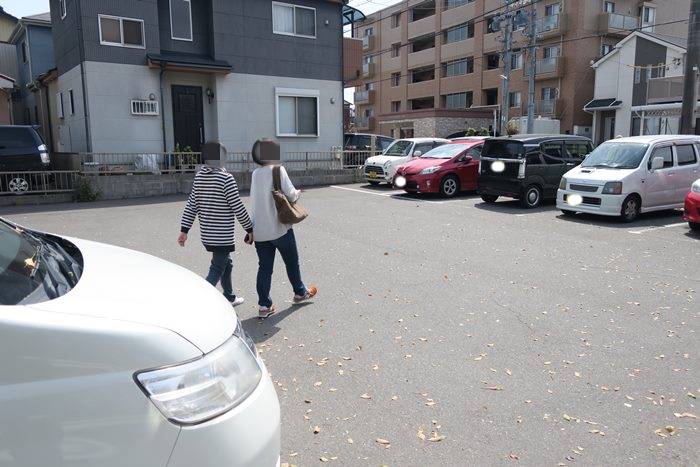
[546, 107]
[364, 96]
[363, 122]
[367, 70]
[668, 89]
[367, 42]
[615, 23]
[551, 67]
[548, 24]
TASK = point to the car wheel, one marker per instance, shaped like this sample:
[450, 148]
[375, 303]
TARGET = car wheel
[630, 208]
[568, 213]
[17, 185]
[694, 226]
[449, 186]
[489, 198]
[532, 197]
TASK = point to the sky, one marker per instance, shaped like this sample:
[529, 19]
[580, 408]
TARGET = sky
[21, 8]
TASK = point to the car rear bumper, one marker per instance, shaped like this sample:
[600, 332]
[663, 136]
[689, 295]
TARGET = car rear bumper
[247, 436]
[691, 212]
[593, 203]
[511, 188]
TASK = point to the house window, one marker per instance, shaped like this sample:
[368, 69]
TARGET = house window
[62, 8]
[648, 18]
[369, 32]
[492, 61]
[395, 50]
[516, 61]
[514, 99]
[459, 100]
[455, 3]
[609, 7]
[71, 102]
[395, 20]
[121, 32]
[550, 52]
[463, 66]
[637, 75]
[297, 112]
[395, 79]
[181, 20]
[59, 104]
[293, 20]
[395, 106]
[549, 94]
[606, 49]
[24, 52]
[552, 10]
[458, 33]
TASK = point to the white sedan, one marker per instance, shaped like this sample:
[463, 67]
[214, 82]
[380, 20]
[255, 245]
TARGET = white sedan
[382, 168]
[112, 357]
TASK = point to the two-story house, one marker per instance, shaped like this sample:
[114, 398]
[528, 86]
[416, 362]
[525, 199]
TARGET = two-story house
[34, 54]
[638, 87]
[157, 75]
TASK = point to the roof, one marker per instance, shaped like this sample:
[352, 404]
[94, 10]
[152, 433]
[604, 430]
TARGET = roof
[41, 19]
[603, 104]
[186, 60]
[423, 140]
[676, 43]
[540, 138]
[6, 14]
[650, 139]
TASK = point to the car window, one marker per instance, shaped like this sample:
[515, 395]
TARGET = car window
[576, 150]
[533, 156]
[664, 152]
[503, 149]
[475, 153]
[16, 138]
[423, 147]
[552, 152]
[363, 142]
[384, 143]
[686, 154]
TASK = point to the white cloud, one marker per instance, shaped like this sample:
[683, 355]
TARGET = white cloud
[21, 8]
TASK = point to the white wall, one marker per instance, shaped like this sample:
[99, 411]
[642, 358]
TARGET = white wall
[70, 130]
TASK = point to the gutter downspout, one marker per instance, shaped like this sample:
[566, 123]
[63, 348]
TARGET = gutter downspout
[48, 118]
[81, 47]
[162, 106]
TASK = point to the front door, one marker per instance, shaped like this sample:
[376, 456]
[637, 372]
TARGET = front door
[188, 117]
[660, 183]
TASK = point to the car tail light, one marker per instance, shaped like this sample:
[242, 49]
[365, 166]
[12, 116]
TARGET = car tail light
[44, 154]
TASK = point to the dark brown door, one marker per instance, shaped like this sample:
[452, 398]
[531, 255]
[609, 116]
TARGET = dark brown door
[188, 117]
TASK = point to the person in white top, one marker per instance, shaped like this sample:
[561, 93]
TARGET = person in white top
[269, 234]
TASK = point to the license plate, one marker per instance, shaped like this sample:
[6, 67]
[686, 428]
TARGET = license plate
[372, 175]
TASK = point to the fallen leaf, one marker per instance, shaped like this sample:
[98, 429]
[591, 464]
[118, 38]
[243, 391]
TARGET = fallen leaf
[513, 456]
[382, 441]
[350, 441]
[684, 415]
[421, 434]
[317, 430]
[494, 388]
[508, 372]
[318, 383]
[577, 374]
[366, 396]
[394, 398]
[323, 459]
[436, 437]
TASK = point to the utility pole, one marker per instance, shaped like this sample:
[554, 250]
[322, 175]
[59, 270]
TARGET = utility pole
[507, 41]
[692, 67]
[532, 31]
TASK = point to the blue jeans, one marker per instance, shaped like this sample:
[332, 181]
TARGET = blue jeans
[287, 246]
[220, 271]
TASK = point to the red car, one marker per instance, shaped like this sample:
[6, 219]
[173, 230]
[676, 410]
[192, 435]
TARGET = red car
[447, 169]
[692, 207]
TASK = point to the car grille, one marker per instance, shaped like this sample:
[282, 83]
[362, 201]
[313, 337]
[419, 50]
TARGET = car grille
[411, 185]
[584, 188]
[374, 168]
[586, 200]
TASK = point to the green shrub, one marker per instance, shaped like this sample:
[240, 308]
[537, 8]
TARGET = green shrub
[84, 192]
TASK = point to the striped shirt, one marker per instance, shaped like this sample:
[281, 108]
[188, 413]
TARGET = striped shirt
[214, 199]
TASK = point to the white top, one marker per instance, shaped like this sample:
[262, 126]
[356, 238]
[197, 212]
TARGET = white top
[266, 227]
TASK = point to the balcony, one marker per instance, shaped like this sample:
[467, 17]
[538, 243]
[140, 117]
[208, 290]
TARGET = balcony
[421, 27]
[669, 89]
[492, 42]
[368, 70]
[422, 89]
[548, 26]
[546, 68]
[368, 42]
[546, 107]
[365, 123]
[424, 57]
[365, 97]
[616, 24]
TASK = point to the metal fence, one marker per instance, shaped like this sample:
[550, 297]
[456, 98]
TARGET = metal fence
[45, 182]
[153, 163]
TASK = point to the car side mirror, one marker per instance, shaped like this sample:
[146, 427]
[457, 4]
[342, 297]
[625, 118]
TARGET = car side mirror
[466, 159]
[417, 153]
[657, 163]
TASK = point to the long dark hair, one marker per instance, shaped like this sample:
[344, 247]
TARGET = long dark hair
[266, 152]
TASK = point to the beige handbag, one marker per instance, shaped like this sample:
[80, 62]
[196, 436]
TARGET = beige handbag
[287, 212]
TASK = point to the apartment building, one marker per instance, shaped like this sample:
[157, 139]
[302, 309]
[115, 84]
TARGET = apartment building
[156, 75]
[440, 60]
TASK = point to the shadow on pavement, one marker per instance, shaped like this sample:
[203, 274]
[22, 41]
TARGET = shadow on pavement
[692, 234]
[512, 206]
[652, 219]
[432, 196]
[261, 330]
[381, 187]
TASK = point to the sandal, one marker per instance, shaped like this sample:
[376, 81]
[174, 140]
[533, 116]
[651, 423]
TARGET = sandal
[310, 293]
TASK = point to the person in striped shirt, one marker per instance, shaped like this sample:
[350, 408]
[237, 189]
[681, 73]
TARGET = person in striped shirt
[214, 199]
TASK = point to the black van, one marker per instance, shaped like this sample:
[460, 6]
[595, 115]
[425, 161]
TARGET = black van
[528, 167]
[21, 151]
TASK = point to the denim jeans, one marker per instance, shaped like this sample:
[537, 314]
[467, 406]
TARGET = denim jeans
[287, 246]
[220, 271]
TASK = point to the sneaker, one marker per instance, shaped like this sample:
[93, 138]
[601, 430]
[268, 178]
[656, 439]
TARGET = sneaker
[266, 312]
[237, 301]
[310, 293]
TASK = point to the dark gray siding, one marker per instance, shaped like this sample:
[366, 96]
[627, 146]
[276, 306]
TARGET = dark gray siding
[40, 50]
[24, 74]
[647, 53]
[65, 36]
[243, 37]
[201, 30]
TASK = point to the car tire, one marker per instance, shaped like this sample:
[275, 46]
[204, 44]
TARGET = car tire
[490, 199]
[532, 197]
[568, 213]
[449, 186]
[694, 226]
[631, 207]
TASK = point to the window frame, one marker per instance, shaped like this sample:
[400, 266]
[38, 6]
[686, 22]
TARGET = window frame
[172, 34]
[62, 8]
[294, 8]
[695, 154]
[659, 147]
[519, 100]
[293, 92]
[607, 3]
[25, 54]
[121, 31]
[59, 105]
[71, 102]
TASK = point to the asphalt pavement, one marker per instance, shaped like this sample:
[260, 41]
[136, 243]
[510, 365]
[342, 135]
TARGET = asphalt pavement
[452, 332]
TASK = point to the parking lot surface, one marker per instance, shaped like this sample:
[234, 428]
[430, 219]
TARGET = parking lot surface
[452, 332]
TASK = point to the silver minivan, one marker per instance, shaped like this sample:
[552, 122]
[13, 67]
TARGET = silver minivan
[628, 176]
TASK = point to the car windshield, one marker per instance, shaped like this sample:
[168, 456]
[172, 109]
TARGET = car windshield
[12, 138]
[446, 151]
[504, 149]
[399, 148]
[35, 267]
[616, 155]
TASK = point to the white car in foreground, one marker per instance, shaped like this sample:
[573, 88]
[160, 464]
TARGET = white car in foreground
[112, 357]
[382, 168]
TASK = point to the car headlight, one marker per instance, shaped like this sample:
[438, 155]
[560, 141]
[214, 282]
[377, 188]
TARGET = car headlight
[562, 184]
[199, 390]
[430, 170]
[695, 188]
[612, 188]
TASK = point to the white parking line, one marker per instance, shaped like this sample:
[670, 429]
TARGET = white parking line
[651, 229]
[367, 192]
